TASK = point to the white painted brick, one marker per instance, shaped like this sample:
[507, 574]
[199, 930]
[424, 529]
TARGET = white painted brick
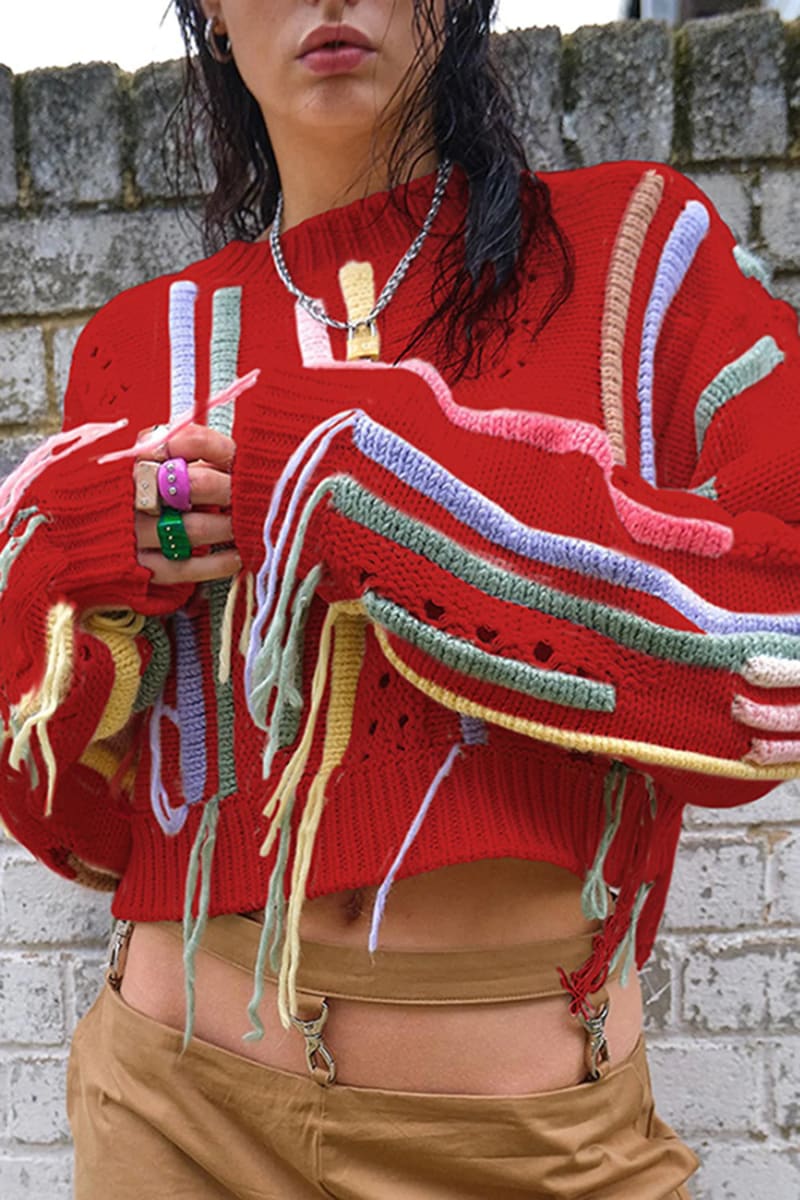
[12, 452]
[746, 1172]
[76, 133]
[751, 987]
[63, 345]
[780, 215]
[23, 382]
[717, 884]
[8, 174]
[31, 1000]
[784, 1067]
[730, 196]
[709, 1087]
[40, 906]
[66, 263]
[780, 805]
[657, 989]
[38, 1106]
[784, 881]
[36, 1178]
[87, 974]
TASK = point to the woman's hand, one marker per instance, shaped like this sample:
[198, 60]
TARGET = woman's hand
[209, 456]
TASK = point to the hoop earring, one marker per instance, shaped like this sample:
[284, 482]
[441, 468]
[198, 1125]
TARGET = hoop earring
[220, 54]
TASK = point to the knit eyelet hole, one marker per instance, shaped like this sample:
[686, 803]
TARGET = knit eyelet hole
[373, 725]
[485, 633]
[542, 652]
[384, 680]
[433, 611]
[402, 719]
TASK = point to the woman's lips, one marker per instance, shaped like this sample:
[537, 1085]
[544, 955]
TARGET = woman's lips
[329, 60]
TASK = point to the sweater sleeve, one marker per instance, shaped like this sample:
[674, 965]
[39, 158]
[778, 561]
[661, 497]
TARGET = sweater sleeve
[531, 570]
[80, 625]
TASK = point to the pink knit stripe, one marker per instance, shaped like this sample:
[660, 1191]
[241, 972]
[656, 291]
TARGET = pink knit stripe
[314, 340]
[765, 753]
[764, 670]
[777, 718]
[638, 217]
[558, 435]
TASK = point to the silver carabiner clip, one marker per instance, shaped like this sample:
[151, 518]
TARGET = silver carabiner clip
[596, 1045]
[118, 947]
[323, 1071]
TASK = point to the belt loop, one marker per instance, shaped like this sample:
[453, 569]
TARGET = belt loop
[321, 1063]
[118, 952]
[597, 1055]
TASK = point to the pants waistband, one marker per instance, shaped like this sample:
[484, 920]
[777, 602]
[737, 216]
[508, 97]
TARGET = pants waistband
[471, 976]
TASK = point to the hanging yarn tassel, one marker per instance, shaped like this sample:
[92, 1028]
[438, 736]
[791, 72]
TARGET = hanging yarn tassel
[594, 897]
[383, 891]
[271, 933]
[627, 947]
[57, 676]
[350, 624]
[226, 631]
[283, 723]
[200, 862]
[263, 661]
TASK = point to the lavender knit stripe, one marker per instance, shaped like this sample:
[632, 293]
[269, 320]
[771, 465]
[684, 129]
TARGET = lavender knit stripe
[735, 377]
[495, 524]
[676, 258]
[727, 652]
[171, 819]
[556, 686]
[182, 299]
[191, 709]
[474, 731]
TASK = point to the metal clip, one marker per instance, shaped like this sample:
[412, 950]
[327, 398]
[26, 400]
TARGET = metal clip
[118, 950]
[325, 1071]
[596, 1045]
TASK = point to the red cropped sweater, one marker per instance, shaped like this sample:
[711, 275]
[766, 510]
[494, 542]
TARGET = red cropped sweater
[532, 615]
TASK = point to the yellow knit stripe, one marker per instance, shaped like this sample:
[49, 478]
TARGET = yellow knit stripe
[641, 209]
[118, 632]
[644, 752]
[357, 283]
[348, 653]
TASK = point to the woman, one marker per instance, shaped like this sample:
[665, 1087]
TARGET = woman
[429, 624]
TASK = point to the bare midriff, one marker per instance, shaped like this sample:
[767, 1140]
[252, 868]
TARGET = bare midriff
[494, 1049]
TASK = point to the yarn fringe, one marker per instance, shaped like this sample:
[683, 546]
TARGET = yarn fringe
[200, 864]
[594, 897]
[38, 707]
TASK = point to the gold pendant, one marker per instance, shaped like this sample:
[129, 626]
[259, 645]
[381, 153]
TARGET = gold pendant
[357, 281]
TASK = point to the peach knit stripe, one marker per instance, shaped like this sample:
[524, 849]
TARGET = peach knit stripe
[638, 217]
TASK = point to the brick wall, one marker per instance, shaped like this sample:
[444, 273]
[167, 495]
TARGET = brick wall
[86, 210]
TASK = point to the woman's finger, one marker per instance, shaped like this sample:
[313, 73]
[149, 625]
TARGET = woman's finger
[220, 565]
[197, 441]
[202, 529]
[209, 486]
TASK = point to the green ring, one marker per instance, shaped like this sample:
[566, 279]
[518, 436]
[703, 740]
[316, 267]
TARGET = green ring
[172, 534]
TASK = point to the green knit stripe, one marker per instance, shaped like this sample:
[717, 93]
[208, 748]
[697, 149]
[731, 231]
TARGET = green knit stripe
[555, 686]
[226, 330]
[225, 335]
[707, 489]
[752, 266]
[156, 671]
[735, 377]
[728, 651]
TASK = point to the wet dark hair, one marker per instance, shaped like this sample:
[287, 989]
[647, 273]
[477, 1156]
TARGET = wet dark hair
[508, 238]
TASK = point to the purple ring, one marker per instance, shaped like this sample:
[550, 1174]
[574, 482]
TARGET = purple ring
[174, 485]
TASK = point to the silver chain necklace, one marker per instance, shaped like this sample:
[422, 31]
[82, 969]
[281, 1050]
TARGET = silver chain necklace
[395, 279]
